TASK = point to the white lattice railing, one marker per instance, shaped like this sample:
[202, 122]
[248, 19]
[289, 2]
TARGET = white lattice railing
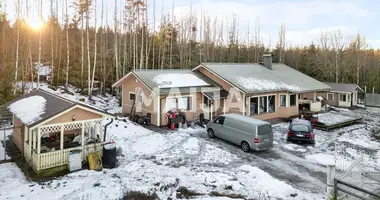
[61, 157]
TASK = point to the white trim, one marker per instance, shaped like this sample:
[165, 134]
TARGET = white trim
[244, 104]
[229, 83]
[286, 100]
[158, 110]
[74, 122]
[176, 97]
[224, 106]
[327, 96]
[68, 110]
[296, 100]
[258, 103]
[120, 80]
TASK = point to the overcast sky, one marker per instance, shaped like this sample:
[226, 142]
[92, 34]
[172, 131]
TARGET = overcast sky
[305, 19]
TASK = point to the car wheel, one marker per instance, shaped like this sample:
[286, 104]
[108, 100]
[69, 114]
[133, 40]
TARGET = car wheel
[210, 133]
[245, 146]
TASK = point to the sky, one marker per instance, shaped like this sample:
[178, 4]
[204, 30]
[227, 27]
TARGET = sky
[304, 19]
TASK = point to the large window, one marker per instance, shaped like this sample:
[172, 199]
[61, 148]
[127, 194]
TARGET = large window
[283, 100]
[254, 106]
[264, 104]
[343, 97]
[183, 103]
[271, 104]
[293, 100]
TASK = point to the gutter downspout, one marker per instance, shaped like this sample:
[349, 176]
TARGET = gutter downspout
[105, 129]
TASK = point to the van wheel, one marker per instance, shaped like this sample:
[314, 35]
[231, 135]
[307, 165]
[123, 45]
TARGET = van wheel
[210, 133]
[245, 146]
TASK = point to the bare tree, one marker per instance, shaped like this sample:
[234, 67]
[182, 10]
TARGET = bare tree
[39, 48]
[67, 45]
[116, 44]
[95, 51]
[88, 4]
[18, 43]
[52, 41]
[171, 38]
[338, 43]
[281, 42]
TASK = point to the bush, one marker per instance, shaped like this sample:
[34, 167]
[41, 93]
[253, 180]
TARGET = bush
[183, 192]
[82, 99]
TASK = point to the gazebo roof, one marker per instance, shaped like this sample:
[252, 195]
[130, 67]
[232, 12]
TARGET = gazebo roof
[39, 105]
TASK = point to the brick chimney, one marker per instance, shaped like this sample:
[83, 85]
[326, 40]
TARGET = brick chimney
[267, 61]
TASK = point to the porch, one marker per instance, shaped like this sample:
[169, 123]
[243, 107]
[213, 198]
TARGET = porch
[48, 146]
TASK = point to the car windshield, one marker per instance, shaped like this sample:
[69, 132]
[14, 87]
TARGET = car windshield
[264, 129]
[300, 128]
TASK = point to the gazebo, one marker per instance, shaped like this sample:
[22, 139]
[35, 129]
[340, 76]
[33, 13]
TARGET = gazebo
[47, 127]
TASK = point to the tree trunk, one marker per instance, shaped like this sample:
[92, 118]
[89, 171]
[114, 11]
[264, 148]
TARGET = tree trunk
[88, 53]
[52, 42]
[67, 46]
[18, 44]
[116, 45]
[95, 49]
[82, 48]
[39, 50]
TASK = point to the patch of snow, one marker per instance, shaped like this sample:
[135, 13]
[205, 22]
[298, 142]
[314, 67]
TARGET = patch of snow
[217, 155]
[294, 147]
[43, 70]
[321, 158]
[361, 138]
[331, 118]
[178, 80]
[251, 83]
[29, 110]
[191, 146]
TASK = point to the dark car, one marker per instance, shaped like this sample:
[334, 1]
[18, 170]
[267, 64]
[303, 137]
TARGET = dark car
[301, 130]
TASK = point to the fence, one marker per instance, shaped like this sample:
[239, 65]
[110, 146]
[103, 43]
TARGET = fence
[372, 100]
[354, 173]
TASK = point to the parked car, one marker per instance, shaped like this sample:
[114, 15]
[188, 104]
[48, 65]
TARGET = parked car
[301, 130]
[249, 133]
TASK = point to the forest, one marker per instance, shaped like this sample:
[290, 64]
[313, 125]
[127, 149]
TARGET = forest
[87, 53]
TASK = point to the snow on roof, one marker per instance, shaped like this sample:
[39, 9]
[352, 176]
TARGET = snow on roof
[178, 80]
[29, 110]
[251, 83]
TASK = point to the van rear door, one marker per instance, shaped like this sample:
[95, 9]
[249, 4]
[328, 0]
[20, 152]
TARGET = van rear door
[264, 134]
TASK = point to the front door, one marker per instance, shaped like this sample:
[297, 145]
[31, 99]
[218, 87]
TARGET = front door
[207, 107]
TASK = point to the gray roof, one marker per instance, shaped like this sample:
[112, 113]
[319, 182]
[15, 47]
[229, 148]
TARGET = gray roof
[54, 104]
[246, 119]
[255, 78]
[148, 77]
[343, 87]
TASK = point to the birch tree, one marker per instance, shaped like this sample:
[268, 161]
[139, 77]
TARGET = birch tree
[338, 43]
[39, 65]
[95, 51]
[18, 43]
[116, 44]
[52, 41]
[88, 4]
[67, 44]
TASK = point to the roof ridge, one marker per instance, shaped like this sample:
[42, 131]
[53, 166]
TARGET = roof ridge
[56, 96]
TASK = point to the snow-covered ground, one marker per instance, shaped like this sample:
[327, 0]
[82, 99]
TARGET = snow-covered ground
[162, 162]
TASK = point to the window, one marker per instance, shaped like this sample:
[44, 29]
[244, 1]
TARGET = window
[264, 129]
[330, 96]
[271, 104]
[293, 100]
[219, 120]
[132, 96]
[263, 104]
[300, 128]
[183, 103]
[343, 97]
[254, 106]
[283, 100]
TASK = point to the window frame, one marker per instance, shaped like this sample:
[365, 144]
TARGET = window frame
[332, 94]
[189, 102]
[286, 100]
[267, 104]
[290, 100]
[129, 96]
[343, 95]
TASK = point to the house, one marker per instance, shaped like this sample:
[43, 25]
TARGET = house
[47, 127]
[265, 90]
[155, 92]
[342, 94]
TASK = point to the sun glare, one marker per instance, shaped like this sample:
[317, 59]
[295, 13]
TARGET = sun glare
[35, 22]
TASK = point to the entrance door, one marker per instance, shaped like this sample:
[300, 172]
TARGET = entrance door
[206, 107]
